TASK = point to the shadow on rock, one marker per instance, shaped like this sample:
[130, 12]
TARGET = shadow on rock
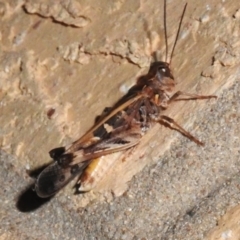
[28, 200]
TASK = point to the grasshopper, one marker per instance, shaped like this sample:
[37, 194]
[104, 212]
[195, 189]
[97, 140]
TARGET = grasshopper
[122, 127]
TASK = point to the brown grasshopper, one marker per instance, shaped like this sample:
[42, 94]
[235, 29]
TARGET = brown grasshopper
[121, 128]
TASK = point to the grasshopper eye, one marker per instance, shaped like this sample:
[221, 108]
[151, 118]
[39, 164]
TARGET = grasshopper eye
[162, 69]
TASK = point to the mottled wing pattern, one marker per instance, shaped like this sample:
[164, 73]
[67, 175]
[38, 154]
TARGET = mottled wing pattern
[119, 130]
[92, 135]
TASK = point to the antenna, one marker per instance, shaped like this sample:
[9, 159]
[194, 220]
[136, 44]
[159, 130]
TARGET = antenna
[179, 27]
[165, 28]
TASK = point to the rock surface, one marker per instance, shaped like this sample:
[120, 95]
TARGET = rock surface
[62, 64]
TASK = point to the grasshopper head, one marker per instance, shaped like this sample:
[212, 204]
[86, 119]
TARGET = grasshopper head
[161, 70]
[161, 77]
